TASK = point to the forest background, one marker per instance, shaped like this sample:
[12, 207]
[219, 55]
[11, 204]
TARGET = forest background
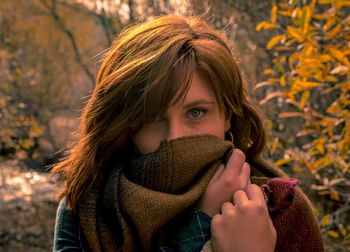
[295, 59]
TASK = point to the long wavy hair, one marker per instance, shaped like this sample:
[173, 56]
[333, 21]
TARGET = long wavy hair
[147, 66]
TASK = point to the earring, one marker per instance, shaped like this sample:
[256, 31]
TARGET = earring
[231, 136]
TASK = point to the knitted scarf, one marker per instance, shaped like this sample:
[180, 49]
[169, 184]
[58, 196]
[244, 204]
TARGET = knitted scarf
[149, 192]
[141, 197]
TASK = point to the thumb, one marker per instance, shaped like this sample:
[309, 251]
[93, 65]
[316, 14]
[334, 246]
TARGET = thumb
[217, 174]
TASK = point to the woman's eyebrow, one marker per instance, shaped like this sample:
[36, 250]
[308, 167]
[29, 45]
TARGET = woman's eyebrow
[198, 102]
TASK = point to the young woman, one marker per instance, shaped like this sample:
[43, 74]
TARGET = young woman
[168, 156]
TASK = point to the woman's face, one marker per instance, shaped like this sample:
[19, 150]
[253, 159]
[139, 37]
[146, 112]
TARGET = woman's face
[198, 114]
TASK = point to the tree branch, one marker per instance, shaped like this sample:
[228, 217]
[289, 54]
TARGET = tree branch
[70, 37]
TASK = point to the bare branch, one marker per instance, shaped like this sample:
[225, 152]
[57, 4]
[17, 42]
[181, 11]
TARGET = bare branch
[70, 37]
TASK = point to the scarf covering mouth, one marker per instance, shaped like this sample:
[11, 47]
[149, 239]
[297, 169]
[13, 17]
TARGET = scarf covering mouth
[139, 198]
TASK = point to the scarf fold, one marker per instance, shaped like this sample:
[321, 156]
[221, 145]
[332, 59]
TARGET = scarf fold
[149, 192]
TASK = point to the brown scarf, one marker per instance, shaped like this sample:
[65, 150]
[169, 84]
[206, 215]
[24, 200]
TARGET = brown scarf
[141, 197]
[150, 192]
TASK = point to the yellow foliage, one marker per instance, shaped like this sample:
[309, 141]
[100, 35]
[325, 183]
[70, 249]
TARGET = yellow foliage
[282, 161]
[341, 69]
[326, 220]
[304, 99]
[329, 24]
[312, 73]
[287, 13]
[274, 41]
[333, 234]
[273, 14]
[341, 4]
[339, 55]
[268, 71]
[325, 1]
[343, 231]
[36, 131]
[262, 84]
[296, 33]
[290, 114]
[271, 96]
[334, 32]
[299, 85]
[334, 195]
[26, 143]
[265, 25]
[284, 5]
[306, 18]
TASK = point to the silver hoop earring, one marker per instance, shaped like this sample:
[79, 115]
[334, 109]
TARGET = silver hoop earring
[231, 136]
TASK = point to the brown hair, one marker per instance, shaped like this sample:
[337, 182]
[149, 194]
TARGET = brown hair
[147, 66]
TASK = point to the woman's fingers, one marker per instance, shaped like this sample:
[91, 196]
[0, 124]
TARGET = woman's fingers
[254, 193]
[236, 173]
[244, 225]
[245, 175]
[234, 164]
[240, 197]
[226, 180]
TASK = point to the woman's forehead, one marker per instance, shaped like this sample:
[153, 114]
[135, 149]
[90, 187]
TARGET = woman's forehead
[199, 90]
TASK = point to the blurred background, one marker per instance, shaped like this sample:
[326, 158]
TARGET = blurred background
[294, 55]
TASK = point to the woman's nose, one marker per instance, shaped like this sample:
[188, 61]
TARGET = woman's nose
[177, 129]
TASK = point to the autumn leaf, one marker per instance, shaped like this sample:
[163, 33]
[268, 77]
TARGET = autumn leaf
[319, 144]
[334, 32]
[302, 85]
[334, 195]
[304, 98]
[273, 14]
[339, 55]
[271, 96]
[295, 33]
[274, 41]
[263, 84]
[306, 18]
[333, 234]
[325, 1]
[265, 25]
[283, 161]
[330, 22]
[345, 87]
[275, 145]
[26, 143]
[342, 70]
[284, 5]
[341, 4]
[290, 114]
[283, 80]
[343, 231]
[35, 131]
[326, 220]
[320, 163]
[286, 13]
[268, 71]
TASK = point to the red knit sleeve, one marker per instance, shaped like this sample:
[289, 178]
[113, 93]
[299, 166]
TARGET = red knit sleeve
[296, 226]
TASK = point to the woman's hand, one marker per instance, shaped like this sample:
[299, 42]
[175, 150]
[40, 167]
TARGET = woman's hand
[245, 225]
[226, 180]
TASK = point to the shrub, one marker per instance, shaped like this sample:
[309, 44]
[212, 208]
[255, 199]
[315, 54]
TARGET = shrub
[310, 78]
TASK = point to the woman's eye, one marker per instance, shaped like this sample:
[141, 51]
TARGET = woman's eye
[197, 113]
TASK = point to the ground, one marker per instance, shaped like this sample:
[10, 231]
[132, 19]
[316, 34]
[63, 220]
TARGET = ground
[27, 209]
